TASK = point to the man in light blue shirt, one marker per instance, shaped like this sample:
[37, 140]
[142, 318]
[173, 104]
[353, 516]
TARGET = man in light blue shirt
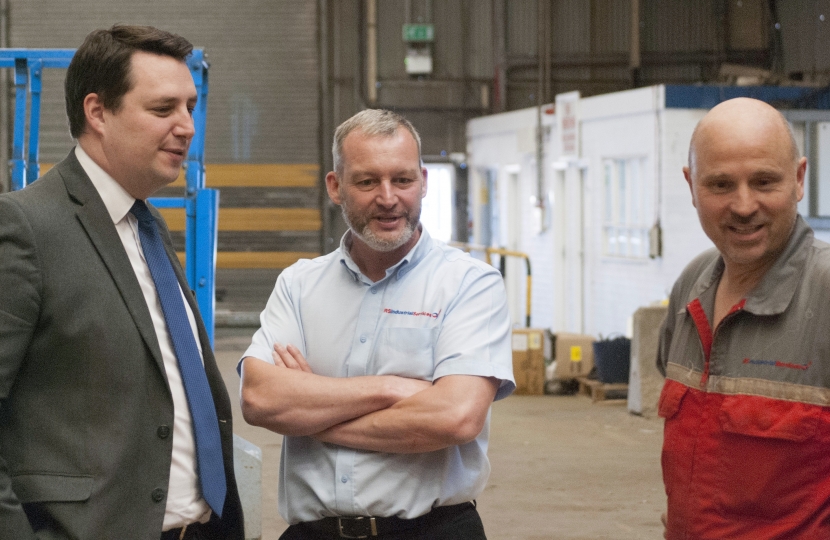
[379, 361]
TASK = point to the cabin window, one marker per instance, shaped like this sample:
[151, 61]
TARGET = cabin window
[812, 137]
[628, 208]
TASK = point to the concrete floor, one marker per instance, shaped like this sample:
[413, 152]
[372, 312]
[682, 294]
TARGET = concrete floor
[562, 467]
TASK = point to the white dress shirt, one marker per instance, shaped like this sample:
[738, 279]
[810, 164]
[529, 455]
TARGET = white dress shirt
[184, 499]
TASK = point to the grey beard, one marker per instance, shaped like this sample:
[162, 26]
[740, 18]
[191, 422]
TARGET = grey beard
[379, 244]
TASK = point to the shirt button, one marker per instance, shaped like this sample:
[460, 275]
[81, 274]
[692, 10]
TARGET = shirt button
[374, 290]
[163, 432]
[158, 495]
[344, 479]
[363, 339]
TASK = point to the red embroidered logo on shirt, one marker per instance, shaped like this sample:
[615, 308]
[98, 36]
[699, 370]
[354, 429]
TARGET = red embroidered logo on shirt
[413, 313]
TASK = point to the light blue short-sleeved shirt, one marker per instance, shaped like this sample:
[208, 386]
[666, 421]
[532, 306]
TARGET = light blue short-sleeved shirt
[437, 312]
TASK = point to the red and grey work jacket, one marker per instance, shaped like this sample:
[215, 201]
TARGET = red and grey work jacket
[746, 452]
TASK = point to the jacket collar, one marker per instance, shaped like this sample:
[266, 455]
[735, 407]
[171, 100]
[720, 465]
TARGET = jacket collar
[774, 292]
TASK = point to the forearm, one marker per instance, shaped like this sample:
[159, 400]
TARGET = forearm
[452, 412]
[295, 402]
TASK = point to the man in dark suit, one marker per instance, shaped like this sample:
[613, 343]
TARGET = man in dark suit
[114, 420]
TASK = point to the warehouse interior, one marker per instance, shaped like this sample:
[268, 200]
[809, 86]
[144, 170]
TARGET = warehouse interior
[284, 74]
[579, 460]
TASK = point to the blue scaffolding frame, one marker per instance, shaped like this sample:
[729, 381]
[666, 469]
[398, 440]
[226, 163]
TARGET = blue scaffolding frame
[201, 205]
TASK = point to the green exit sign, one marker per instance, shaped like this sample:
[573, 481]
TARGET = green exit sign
[418, 32]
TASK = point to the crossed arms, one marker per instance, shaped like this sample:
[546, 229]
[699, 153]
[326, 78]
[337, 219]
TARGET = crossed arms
[383, 413]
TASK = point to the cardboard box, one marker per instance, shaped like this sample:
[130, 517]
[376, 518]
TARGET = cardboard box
[574, 355]
[529, 360]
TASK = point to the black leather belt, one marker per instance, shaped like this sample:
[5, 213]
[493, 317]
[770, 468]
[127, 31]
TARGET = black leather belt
[188, 532]
[369, 526]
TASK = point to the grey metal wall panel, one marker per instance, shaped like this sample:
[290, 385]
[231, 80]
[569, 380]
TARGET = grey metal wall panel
[347, 66]
[749, 24]
[427, 94]
[673, 74]
[391, 50]
[678, 25]
[611, 76]
[568, 79]
[479, 38]
[805, 36]
[263, 76]
[448, 50]
[521, 94]
[55, 141]
[522, 17]
[571, 27]
[227, 241]
[611, 26]
[244, 289]
[439, 133]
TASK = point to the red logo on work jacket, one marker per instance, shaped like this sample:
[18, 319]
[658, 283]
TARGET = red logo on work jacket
[778, 364]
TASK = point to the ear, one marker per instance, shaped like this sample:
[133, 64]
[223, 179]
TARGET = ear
[333, 187]
[799, 176]
[688, 175]
[94, 112]
[424, 185]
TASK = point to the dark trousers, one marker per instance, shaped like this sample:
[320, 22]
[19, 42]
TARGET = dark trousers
[464, 526]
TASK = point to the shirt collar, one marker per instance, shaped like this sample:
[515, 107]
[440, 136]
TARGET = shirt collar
[409, 261]
[774, 292]
[115, 197]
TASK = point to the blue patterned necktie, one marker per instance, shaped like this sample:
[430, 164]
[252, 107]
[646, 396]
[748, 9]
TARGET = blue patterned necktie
[199, 399]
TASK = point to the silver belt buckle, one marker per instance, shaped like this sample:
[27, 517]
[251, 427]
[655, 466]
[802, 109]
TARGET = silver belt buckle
[373, 528]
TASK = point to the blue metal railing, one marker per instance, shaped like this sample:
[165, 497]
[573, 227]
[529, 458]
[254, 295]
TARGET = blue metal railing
[201, 205]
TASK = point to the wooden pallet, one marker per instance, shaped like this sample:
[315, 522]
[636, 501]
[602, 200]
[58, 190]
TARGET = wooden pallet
[597, 390]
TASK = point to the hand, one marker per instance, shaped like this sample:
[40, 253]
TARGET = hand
[289, 357]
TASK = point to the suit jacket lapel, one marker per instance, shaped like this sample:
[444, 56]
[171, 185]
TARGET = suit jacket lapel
[96, 221]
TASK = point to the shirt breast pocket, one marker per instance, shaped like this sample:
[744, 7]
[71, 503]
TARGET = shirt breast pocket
[769, 456]
[406, 352]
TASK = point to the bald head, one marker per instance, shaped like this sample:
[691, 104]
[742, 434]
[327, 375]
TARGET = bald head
[743, 118]
[746, 180]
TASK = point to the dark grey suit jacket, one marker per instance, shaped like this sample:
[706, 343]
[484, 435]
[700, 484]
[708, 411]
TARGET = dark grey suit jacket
[86, 413]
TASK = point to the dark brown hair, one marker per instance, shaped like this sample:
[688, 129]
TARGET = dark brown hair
[101, 65]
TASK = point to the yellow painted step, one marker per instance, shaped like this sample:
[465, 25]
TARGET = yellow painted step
[219, 175]
[258, 175]
[253, 219]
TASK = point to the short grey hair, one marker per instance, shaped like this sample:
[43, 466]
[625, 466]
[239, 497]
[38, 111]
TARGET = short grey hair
[372, 122]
